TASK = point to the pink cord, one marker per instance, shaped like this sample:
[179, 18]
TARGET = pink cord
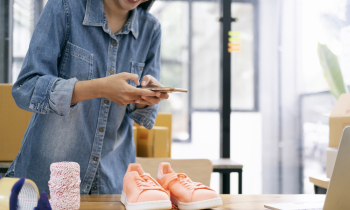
[64, 186]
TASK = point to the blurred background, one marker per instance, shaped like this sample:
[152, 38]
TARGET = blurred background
[280, 99]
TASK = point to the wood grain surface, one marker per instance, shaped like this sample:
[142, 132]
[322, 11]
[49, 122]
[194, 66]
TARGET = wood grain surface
[231, 202]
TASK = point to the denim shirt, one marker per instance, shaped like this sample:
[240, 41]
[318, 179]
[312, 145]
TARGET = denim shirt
[73, 42]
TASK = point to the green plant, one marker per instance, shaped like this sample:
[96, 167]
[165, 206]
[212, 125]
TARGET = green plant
[331, 70]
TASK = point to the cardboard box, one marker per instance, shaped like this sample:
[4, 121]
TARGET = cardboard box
[13, 124]
[153, 143]
[134, 129]
[331, 156]
[165, 120]
[339, 119]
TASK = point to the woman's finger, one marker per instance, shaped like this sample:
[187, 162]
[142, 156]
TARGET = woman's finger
[142, 92]
[153, 100]
[134, 97]
[144, 102]
[163, 96]
[150, 81]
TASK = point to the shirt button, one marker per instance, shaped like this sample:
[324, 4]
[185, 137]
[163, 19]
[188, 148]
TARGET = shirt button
[141, 68]
[95, 158]
[114, 44]
[101, 129]
[106, 101]
[111, 71]
[20, 85]
[95, 188]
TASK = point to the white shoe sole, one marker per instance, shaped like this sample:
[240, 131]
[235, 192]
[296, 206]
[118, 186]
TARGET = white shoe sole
[148, 205]
[211, 203]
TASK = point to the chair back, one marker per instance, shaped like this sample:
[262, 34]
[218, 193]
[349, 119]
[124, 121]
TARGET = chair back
[199, 170]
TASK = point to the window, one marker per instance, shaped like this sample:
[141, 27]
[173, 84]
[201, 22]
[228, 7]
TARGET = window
[174, 18]
[191, 44]
[23, 27]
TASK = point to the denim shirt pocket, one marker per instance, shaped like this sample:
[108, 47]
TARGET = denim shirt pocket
[77, 62]
[136, 68]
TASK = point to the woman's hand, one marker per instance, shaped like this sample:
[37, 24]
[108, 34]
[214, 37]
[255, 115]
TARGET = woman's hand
[149, 81]
[114, 87]
[117, 89]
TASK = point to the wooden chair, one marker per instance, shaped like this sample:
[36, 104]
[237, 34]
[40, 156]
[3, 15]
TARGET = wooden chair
[199, 170]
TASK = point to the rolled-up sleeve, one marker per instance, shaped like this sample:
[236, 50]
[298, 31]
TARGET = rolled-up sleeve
[38, 87]
[146, 116]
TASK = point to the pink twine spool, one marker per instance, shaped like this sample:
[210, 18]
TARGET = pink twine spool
[64, 186]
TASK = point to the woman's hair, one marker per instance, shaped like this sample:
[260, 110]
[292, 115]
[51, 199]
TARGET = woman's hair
[147, 5]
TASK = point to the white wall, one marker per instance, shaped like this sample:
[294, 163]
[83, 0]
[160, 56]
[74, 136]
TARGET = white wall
[268, 93]
[279, 91]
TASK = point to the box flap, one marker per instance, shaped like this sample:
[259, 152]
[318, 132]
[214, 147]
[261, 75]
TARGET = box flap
[342, 107]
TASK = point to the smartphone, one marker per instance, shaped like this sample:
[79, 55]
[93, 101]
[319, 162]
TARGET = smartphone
[165, 89]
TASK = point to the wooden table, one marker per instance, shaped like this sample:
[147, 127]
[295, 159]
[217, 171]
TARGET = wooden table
[233, 202]
[225, 166]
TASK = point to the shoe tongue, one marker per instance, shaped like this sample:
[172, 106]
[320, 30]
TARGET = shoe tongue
[136, 167]
[166, 176]
[185, 177]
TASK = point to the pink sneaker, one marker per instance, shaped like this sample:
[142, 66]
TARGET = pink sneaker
[184, 193]
[141, 191]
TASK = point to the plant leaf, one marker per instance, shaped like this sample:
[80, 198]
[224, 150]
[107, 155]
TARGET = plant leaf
[331, 70]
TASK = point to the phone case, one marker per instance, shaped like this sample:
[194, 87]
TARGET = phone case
[166, 89]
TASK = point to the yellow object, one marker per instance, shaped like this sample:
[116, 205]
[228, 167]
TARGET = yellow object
[165, 120]
[153, 143]
[230, 50]
[13, 124]
[234, 39]
[27, 198]
[230, 44]
[339, 119]
[234, 33]
[134, 129]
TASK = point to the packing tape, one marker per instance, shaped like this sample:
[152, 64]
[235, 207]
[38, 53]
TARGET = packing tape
[27, 198]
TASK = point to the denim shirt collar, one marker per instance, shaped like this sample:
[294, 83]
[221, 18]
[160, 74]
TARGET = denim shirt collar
[95, 16]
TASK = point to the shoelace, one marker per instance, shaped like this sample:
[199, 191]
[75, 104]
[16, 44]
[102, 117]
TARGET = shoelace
[145, 181]
[186, 182]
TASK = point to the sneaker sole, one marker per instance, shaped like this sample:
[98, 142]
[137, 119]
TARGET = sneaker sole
[148, 205]
[210, 203]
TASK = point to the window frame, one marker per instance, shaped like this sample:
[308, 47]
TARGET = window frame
[191, 110]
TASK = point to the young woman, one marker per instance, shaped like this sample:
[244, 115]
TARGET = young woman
[79, 77]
